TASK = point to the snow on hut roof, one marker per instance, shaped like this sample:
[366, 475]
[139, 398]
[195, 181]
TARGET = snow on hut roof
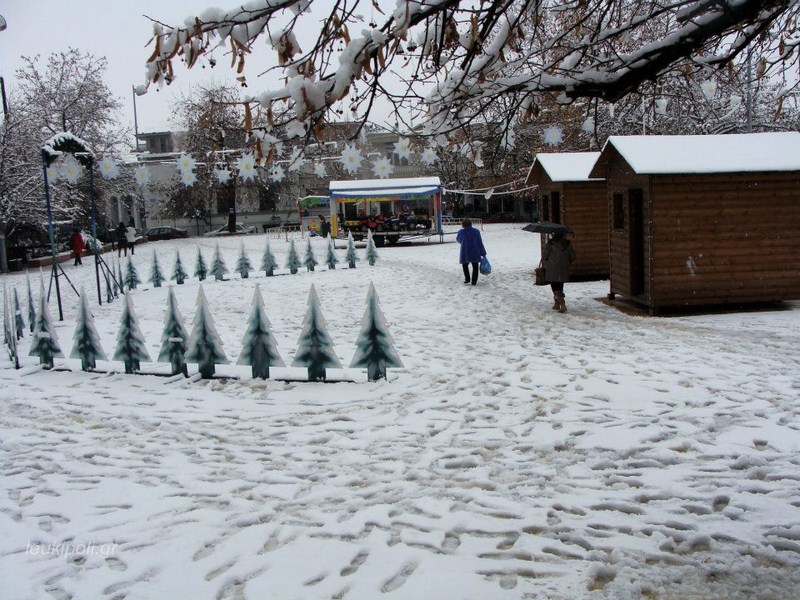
[566, 166]
[375, 187]
[731, 153]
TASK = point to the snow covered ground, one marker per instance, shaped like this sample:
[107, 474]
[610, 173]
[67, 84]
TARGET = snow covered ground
[520, 453]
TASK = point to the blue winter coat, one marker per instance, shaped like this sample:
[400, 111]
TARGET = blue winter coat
[471, 245]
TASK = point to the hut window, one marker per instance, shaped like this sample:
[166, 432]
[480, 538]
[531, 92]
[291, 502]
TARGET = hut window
[555, 207]
[545, 202]
[619, 210]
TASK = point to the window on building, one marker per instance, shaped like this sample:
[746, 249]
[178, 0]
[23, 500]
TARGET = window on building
[618, 207]
[545, 208]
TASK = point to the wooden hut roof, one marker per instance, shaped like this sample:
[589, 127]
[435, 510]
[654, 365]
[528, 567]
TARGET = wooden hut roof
[676, 154]
[563, 167]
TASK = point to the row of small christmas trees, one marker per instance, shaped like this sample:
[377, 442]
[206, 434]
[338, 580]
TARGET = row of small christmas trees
[244, 266]
[117, 280]
[374, 345]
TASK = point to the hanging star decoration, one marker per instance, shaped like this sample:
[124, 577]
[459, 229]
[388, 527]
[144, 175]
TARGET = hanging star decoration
[351, 159]
[142, 176]
[53, 173]
[71, 169]
[276, 173]
[108, 168]
[296, 160]
[429, 156]
[246, 165]
[709, 88]
[223, 175]
[186, 162]
[188, 178]
[319, 170]
[403, 148]
[588, 125]
[474, 154]
[553, 135]
[382, 168]
[186, 166]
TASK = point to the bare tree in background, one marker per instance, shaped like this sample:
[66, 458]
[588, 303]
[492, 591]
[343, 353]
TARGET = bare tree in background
[457, 58]
[66, 93]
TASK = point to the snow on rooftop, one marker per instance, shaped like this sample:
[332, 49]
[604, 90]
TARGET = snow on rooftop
[385, 186]
[567, 166]
[732, 153]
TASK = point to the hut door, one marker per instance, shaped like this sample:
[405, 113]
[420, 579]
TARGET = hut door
[635, 206]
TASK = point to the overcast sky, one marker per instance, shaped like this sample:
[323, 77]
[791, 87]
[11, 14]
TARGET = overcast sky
[117, 30]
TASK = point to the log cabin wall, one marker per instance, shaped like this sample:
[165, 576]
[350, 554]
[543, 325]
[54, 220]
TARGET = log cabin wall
[582, 206]
[725, 239]
[630, 272]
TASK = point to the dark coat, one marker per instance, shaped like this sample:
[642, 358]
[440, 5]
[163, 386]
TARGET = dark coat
[472, 249]
[556, 258]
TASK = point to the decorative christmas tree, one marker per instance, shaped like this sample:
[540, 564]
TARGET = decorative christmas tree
[350, 257]
[156, 276]
[372, 251]
[268, 262]
[179, 274]
[200, 268]
[292, 260]
[31, 305]
[259, 349]
[9, 325]
[315, 346]
[310, 261]
[218, 267]
[130, 342]
[86, 340]
[131, 276]
[173, 339]
[44, 342]
[374, 344]
[204, 346]
[7, 319]
[19, 324]
[330, 257]
[243, 264]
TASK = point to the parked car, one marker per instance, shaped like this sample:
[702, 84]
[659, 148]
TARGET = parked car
[165, 233]
[241, 228]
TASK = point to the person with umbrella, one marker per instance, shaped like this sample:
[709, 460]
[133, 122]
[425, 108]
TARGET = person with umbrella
[557, 256]
[472, 250]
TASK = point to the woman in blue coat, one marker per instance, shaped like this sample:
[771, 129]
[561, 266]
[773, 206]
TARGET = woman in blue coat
[472, 250]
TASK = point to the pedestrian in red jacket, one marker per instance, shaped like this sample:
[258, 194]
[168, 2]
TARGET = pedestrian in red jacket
[78, 246]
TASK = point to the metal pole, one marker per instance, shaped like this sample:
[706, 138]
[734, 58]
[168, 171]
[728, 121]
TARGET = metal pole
[54, 265]
[135, 119]
[94, 233]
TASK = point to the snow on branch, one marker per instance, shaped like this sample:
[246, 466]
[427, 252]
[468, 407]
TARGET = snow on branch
[454, 58]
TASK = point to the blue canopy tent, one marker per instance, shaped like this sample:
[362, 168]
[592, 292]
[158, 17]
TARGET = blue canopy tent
[427, 190]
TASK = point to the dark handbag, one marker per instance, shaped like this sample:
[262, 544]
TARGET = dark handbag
[538, 274]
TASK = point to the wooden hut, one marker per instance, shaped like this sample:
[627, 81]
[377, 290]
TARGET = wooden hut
[567, 195]
[703, 220]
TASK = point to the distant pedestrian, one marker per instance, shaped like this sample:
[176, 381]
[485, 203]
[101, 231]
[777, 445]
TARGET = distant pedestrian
[472, 250]
[324, 227]
[557, 256]
[122, 242]
[78, 245]
[130, 238]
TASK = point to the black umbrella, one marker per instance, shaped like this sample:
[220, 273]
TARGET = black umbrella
[547, 227]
